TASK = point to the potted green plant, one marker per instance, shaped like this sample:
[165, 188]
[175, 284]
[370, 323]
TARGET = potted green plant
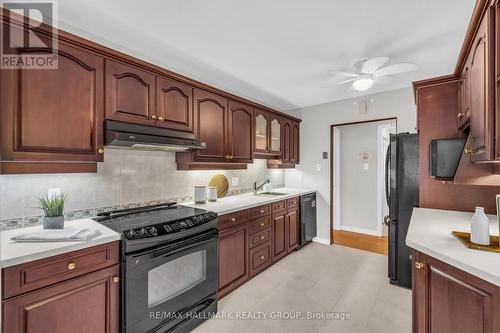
[53, 207]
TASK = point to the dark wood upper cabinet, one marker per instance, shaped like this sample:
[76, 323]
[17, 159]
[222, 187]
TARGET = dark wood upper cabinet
[52, 115]
[463, 115]
[287, 141]
[174, 104]
[275, 134]
[481, 90]
[294, 142]
[130, 94]
[261, 138]
[240, 132]
[211, 124]
[440, 291]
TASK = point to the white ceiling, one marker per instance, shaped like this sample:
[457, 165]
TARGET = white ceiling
[277, 52]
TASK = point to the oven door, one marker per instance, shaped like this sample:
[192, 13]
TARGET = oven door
[164, 284]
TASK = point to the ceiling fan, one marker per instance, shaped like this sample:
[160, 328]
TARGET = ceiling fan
[370, 71]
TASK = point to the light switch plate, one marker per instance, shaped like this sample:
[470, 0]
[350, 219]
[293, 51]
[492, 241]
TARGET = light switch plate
[51, 192]
[318, 167]
[301, 178]
[366, 166]
[234, 181]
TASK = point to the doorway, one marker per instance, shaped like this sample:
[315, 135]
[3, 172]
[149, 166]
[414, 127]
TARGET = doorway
[358, 183]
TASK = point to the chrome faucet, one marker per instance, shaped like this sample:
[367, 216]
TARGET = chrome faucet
[256, 188]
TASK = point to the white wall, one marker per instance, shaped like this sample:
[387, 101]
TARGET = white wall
[359, 192]
[315, 139]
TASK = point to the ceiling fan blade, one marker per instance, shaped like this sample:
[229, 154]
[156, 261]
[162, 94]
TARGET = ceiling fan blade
[345, 81]
[371, 65]
[395, 69]
[341, 73]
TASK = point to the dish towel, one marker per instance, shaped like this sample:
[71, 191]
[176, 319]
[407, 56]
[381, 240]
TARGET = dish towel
[64, 235]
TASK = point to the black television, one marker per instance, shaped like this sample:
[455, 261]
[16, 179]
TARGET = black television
[444, 157]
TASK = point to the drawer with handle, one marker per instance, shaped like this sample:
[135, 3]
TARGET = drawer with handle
[280, 205]
[293, 202]
[233, 219]
[41, 273]
[260, 224]
[260, 258]
[256, 212]
[259, 237]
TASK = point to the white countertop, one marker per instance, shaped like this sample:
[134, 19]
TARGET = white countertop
[12, 253]
[235, 203]
[430, 233]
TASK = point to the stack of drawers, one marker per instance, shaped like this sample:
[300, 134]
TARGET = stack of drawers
[251, 240]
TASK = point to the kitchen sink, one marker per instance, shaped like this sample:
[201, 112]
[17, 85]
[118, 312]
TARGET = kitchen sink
[271, 193]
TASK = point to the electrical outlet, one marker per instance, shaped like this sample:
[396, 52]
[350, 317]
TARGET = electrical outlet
[366, 166]
[234, 181]
[52, 192]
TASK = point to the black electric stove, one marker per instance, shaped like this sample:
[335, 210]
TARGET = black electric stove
[168, 264]
[149, 226]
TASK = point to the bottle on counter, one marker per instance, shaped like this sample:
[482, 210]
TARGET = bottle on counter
[480, 228]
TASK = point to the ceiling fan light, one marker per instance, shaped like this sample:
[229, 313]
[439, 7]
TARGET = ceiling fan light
[363, 84]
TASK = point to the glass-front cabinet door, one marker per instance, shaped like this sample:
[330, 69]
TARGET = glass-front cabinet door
[261, 131]
[275, 135]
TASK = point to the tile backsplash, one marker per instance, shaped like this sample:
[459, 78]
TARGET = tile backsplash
[125, 177]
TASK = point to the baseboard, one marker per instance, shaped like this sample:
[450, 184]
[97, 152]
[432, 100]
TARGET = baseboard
[321, 240]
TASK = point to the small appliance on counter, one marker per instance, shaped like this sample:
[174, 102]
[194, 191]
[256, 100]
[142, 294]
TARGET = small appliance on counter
[212, 193]
[168, 265]
[200, 194]
[307, 218]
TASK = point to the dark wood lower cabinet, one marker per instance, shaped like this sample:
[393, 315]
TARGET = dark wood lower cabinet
[251, 240]
[447, 299]
[280, 242]
[292, 220]
[261, 257]
[85, 304]
[233, 259]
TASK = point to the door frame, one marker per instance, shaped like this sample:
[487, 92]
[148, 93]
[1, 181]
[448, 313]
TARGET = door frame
[332, 166]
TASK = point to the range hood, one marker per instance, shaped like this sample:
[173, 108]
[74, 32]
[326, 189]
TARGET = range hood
[130, 136]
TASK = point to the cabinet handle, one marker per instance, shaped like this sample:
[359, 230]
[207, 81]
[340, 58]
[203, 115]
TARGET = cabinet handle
[160, 118]
[227, 157]
[262, 237]
[419, 265]
[467, 150]
[116, 279]
[262, 224]
[71, 266]
[262, 257]
[262, 211]
[153, 116]
[233, 219]
[100, 150]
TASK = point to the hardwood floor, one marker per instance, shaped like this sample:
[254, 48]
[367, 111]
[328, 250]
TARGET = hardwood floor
[361, 241]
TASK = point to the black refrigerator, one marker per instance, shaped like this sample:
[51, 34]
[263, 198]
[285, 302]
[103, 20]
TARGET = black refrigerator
[402, 172]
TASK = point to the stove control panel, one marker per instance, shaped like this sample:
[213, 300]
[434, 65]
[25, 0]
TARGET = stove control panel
[171, 227]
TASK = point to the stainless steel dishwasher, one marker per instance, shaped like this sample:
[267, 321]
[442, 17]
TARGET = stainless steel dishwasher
[307, 218]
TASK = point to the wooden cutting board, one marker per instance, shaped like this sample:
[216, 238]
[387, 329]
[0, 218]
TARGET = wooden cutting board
[221, 184]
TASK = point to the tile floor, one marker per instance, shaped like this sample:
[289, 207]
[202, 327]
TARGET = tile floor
[319, 278]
